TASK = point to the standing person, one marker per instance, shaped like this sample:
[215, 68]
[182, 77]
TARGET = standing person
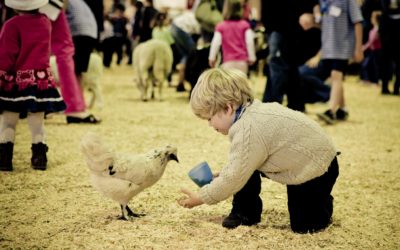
[136, 23]
[370, 66]
[236, 37]
[341, 40]
[389, 31]
[147, 21]
[292, 150]
[183, 29]
[63, 49]
[82, 24]
[281, 22]
[97, 8]
[116, 42]
[27, 87]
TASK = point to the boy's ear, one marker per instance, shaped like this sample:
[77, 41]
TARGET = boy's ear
[229, 108]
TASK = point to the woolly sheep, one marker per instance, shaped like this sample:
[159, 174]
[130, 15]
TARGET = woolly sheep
[152, 62]
[90, 79]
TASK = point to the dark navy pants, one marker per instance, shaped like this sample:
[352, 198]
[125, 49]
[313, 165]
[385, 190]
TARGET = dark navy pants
[310, 204]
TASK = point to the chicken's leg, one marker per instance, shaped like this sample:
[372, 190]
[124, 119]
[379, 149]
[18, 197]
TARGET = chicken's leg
[127, 213]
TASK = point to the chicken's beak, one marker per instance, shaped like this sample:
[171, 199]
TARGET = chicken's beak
[173, 157]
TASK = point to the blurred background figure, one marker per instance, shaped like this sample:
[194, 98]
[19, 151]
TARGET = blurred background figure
[83, 27]
[389, 31]
[283, 31]
[236, 37]
[370, 66]
[185, 30]
[63, 48]
[115, 43]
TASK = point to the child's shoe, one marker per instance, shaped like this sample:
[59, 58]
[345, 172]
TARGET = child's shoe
[234, 220]
[6, 155]
[39, 158]
[342, 114]
[328, 116]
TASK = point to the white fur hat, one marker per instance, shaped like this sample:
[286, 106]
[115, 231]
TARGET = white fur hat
[26, 5]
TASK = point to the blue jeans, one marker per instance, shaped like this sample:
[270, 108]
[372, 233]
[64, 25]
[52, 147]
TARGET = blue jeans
[283, 75]
[183, 41]
[277, 72]
[314, 87]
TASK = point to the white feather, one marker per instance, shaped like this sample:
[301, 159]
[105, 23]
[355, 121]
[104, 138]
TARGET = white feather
[121, 176]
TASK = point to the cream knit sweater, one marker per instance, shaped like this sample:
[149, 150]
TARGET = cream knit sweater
[285, 145]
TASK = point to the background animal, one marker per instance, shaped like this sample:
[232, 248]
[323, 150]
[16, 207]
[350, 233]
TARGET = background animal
[121, 176]
[91, 80]
[152, 63]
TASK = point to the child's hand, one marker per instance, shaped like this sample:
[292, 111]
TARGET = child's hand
[313, 62]
[358, 55]
[192, 199]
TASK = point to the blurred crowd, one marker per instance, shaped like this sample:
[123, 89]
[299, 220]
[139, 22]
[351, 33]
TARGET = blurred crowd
[280, 39]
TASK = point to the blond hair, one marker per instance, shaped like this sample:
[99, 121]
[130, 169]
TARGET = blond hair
[216, 89]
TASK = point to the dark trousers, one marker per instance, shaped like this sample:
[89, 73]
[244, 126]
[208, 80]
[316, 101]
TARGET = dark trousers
[311, 203]
[390, 37]
[84, 45]
[247, 202]
[110, 46]
[283, 76]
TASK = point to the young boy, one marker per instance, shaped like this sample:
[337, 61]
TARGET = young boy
[266, 139]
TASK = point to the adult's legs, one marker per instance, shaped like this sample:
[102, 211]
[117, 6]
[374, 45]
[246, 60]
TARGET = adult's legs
[184, 44]
[108, 50]
[278, 69]
[390, 38]
[396, 58]
[294, 89]
[63, 48]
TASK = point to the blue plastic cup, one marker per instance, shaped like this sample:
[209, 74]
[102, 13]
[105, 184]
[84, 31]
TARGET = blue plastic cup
[201, 174]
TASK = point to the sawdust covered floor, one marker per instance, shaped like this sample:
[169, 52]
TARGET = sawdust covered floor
[58, 208]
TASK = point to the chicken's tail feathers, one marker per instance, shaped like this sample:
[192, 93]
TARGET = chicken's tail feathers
[98, 156]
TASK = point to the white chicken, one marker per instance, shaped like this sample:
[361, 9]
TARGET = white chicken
[121, 176]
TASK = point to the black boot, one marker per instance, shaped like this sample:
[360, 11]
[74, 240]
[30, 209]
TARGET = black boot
[39, 158]
[246, 204]
[6, 155]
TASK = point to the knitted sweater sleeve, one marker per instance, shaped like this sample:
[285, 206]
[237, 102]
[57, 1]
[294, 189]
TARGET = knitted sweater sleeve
[246, 154]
